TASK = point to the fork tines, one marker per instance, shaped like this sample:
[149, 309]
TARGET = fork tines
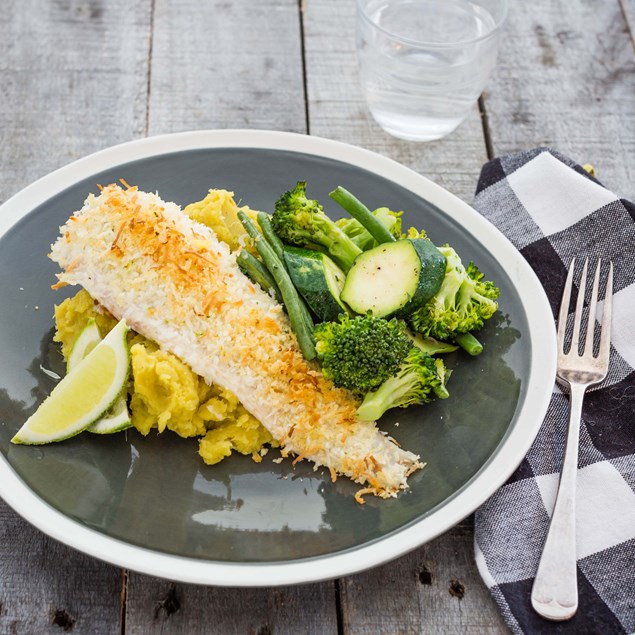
[605, 322]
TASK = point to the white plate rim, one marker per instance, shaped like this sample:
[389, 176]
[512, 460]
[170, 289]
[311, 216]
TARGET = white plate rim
[495, 472]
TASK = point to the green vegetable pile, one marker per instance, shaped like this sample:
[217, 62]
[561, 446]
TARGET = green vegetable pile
[372, 304]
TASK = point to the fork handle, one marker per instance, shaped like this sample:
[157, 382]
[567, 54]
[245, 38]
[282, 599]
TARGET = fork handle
[555, 591]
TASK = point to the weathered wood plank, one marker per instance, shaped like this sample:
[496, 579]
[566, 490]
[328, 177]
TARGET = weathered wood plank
[566, 78]
[175, 609]
[337, 109]
[73, 80]
[435, 589]
[73, 76]
[48, 588]
[220, 64]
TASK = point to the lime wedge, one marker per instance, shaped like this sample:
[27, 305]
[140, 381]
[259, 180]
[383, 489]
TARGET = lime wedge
[84, 395]
[85, 342]
[118, 417]
[115, 420]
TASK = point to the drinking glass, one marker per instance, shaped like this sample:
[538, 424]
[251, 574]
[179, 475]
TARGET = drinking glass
[423, 63]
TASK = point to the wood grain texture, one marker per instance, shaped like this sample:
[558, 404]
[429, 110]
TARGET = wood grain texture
[73, 80]
[220, 64]
[157, 606]
[436, 589]
[48, 588]
[566, 79]
[337, 109]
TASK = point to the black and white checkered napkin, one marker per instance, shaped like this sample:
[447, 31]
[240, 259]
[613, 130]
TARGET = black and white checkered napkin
[552, 210]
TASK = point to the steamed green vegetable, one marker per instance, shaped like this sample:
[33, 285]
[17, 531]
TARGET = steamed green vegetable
[363, 215]
[462, 304]
[431, 345]
[264, 220]
[360, 353]
[388, 301]
[419, 379]
[258, 273]
[299, 317]
[395, 278]
[318, 279]
[468, 343]
[300, 221]
[362, 237]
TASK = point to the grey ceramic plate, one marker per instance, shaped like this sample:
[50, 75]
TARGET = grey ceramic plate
[150, 503]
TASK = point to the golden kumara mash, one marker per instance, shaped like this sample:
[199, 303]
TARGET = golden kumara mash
[164, 393]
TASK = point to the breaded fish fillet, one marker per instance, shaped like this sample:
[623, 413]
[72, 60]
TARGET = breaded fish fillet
[174, 282]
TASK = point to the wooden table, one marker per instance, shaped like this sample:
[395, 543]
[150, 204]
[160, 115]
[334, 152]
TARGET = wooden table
[77, 76]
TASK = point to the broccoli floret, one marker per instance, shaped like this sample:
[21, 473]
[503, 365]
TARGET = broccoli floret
[417, 381]
[360, 353]
[462, 304]
[301, 221]
[431, 345]
[361, 236]
[413, 232]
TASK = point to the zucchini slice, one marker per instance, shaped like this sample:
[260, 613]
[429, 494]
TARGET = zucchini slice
[318, 279]
[394, 279]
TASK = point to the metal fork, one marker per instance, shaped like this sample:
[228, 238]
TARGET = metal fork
[555, 591]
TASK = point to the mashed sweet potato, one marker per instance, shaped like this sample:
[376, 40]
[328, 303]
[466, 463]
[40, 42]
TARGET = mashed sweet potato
[219, 212]
[164, 393]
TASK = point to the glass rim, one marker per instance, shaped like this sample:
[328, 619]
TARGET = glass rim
[361, 4]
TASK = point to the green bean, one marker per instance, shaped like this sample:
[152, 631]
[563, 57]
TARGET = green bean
[299, 317]
[362, 214]
[468, 343]
[272, 238]
[258, 273]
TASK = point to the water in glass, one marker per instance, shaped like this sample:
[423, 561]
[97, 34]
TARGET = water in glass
[423, 63]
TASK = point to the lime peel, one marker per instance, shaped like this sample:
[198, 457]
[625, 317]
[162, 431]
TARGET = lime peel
[84, 395]
[115, 420]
